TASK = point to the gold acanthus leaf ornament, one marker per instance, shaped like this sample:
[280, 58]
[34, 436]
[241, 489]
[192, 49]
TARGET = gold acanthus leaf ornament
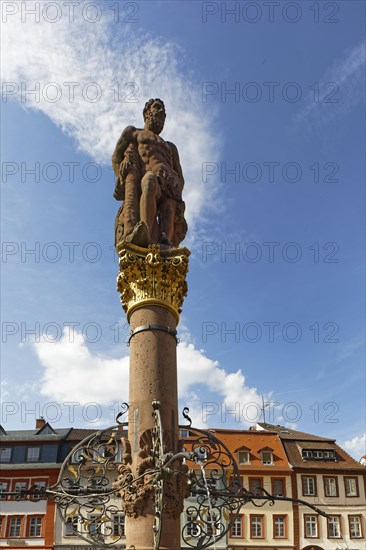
[151, 276]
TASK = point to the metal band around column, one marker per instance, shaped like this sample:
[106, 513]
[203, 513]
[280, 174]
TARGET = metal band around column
[143, 328]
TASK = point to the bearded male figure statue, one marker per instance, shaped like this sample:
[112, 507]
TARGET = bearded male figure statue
[149, 182]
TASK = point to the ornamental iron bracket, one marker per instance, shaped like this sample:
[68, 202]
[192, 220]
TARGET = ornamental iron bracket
[86, 495]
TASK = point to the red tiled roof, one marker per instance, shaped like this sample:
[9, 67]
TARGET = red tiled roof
[255, 441]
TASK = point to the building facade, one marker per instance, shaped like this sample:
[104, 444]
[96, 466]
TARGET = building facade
[284, 462]
[65, 536]
[29, 459]
[263, 464]
[326, 476]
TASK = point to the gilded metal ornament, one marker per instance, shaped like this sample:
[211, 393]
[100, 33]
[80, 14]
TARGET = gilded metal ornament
[151, 276]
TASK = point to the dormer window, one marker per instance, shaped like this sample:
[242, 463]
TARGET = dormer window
[45, 429]
[267, 458]
[266, 455]
[243, 455]
[329, 455]
[307, 454]
[318, 454]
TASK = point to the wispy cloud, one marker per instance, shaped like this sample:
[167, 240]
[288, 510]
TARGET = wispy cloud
[72, 373]
[338, 90]
[356, 446]
[128, 67]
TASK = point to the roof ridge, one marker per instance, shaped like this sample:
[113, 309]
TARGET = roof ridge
[283, 429]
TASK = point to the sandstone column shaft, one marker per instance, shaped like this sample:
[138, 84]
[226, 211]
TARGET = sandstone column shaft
[152, 285]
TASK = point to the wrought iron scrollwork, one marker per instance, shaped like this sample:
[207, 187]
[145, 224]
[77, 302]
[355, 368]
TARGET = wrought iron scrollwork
[187, 417]
[217, 490]
[84, 492]
[87, 495]
[214, 480]
[261, 496]
[120, 415]
[158, 455]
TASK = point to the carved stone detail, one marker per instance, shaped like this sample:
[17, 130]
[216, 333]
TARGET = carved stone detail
[137, 492]
[152, 276]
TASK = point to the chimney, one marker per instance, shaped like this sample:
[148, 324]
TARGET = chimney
[40, 422]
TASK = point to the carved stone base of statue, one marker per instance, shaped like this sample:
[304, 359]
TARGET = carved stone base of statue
[152, 284]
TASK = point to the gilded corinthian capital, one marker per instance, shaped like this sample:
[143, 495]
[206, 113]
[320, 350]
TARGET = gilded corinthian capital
[151, 276]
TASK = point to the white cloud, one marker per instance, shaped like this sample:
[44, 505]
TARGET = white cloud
[230, 389]
[340, 88]
[72, 373]
[356, 446]
[112, 56]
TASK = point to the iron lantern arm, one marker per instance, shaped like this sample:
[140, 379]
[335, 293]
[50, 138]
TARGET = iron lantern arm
[243, 496]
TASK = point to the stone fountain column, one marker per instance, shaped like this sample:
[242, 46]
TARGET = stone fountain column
[152, 283]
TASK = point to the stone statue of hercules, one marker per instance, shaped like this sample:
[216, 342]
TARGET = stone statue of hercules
[150, 183]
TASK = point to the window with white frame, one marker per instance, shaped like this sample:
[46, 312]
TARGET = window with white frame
[334, 527]
[318, 454]
[119, 525]
[38, 486]
[5, 454]
[351, 486]
[329, 455]
[237, 527]
[308, 486]
[243, 457]
[35, 526]
[3, 489]
[256, 527]
[267, 458]
[330, 487]
[20, 486]
[71, 526]
[15, 526]
[193, 529]
[355, 531]
[33, 454]
[212, 529]
[307, 454]
[279, 527]
[311, 526]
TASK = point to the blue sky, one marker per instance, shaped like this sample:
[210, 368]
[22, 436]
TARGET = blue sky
[266, 107]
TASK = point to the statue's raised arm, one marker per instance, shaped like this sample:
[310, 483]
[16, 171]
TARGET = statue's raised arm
[150, 182]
